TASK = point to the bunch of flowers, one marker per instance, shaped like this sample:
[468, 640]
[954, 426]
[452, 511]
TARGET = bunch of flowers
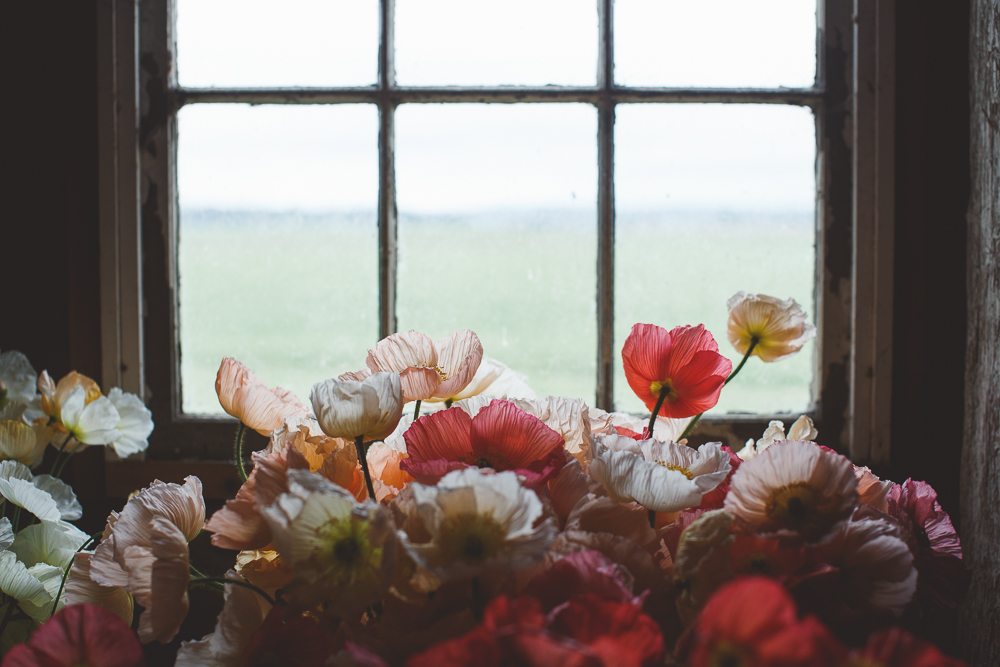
[429, 510]
[42, 424]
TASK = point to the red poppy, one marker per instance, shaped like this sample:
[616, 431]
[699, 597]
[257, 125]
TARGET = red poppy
[897, 648]
[81, 634]
[752, 554]
[683, 365]
[618, 633]
[290, 638]
[752, 622]
[502, 437]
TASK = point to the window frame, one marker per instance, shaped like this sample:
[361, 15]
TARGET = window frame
[140, 98]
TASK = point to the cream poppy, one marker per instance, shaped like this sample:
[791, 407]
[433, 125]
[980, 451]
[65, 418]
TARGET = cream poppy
[369, 409]
[253, 403]
[429, 370]
[17, 384]
[340, 552]
[660, 476]
[793, 486]
[775, 328]
[496, 380]
[80, 410]
[801, 429]
[19, 441]
[474, 522]
[18, 487]
[135, 423]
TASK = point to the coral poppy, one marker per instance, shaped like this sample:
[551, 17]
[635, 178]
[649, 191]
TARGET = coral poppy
[501, 436]
[775, 328]
[245, 397]
[83, 634]
[753, 622]
[682, 367]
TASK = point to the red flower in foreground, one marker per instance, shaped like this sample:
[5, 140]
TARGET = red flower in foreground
[289, 638]
[684, 363]
[502, 437]
[82, 634]
[897, 648]
[587, 631]
[753, 622]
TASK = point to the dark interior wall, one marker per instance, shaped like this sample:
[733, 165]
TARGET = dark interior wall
[50, 219]
[50, 228]
[932, 187]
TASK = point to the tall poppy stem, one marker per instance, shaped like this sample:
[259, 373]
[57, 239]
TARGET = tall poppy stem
[236, 582]
[359, 445]
[739, 367]
[659, 404]
[238, 451]
[416, 410]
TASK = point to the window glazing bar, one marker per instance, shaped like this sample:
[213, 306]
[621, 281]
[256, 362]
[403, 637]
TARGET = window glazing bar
[605, 208]
[387, 228]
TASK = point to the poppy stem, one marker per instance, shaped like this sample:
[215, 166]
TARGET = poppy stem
[58, 463]
[739, 367]
[359, 445]
[743, 361]
[416, 410]
[659, 404]
[652, 519]
[7, 614]
[235, 582]
[238, 451]
[62, 584]
[448, 402]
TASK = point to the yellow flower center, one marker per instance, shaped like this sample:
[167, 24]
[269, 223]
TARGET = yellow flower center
[657, 386]
[797, 507]
[469, 537]
[727, 654]
[345, 553]
[673, 466]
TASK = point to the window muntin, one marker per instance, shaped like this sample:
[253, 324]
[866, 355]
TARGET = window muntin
[604, 98]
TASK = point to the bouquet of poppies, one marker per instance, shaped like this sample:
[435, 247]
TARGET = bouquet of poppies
[428, 510]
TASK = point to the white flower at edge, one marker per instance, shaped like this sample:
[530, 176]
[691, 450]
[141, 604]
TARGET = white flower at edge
[17, 384]
[24, 586]
[135, 423]
[802, 429]
[6, 533]
[48, 498]
[370, 408]
[476, 522]
[93, 423]
[660, 476]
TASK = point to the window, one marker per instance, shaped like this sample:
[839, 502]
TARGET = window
[595, 181]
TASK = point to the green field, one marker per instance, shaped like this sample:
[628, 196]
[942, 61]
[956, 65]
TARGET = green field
[295, 295]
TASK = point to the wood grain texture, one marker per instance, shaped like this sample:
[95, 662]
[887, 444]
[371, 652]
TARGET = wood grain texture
[981, 454]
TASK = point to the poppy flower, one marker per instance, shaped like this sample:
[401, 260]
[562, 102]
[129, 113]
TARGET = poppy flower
[682, 365]
[896, 647]
[428, 369]
[501, 436]
[802, 429]
[82, 634]
[776, 328]
[753, 622]
[17, 384]
[368, 409]
[243, 396]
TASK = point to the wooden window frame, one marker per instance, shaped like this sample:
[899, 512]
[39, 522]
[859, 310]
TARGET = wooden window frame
[139, 99]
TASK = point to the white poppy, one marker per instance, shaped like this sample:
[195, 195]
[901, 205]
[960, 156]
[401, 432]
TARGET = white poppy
[135, 423]
[802, 429]
[17, 487]
[660, 476]
[89, 422]
[369, 409]
[473, 522]
[17, 384]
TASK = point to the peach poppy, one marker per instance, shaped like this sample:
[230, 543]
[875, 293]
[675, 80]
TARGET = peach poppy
[502, 437]
[429, 370]
[775, 328]
[681, 368]
[243, 396]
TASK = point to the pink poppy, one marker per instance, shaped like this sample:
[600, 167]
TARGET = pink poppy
[248, 399]
[501, 436]
[428, 369]
[683, 363]
[82, 634]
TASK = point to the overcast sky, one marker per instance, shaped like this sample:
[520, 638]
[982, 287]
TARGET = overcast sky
[462, 157]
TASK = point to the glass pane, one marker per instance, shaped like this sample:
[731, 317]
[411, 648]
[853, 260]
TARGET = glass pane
[715, 43]
[497, 233]
[517, 42]
[278, 244]
[262, 43]
[712, 200]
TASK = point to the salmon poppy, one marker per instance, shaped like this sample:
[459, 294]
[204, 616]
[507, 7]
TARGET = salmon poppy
[680, 370]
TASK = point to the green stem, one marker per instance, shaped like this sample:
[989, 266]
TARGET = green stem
[746, 356]
[7, 614]
[238, 451]
[664, 392]
[93, 538]
[235, 582]
[652, 519]
[15, 520]
[359, 445]
[743, 361]
[58, 463]
[448, 402]
[416, 410]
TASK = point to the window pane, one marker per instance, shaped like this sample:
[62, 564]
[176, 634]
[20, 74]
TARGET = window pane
[714, 199]
[715, 43]
[497, 233]
[292, 43]
[457, 42]
[278, 244]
